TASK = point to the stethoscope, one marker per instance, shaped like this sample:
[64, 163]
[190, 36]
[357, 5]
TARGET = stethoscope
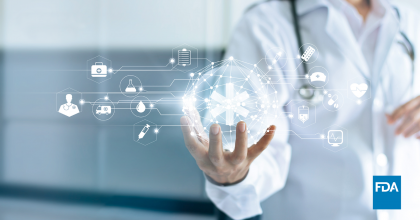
[67, 107]
[309, 93]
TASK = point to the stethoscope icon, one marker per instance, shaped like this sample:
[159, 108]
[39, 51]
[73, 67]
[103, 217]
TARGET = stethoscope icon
[67, 107]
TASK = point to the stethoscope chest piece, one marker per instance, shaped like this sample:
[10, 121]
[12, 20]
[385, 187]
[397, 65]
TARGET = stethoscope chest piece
[310, 94]
[306, 92]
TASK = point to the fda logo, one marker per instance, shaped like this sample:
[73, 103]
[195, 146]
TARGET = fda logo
[386, 192]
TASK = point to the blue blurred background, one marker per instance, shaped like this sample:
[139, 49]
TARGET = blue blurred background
[54, 167]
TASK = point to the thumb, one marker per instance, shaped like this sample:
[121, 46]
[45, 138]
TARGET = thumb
[255, 150]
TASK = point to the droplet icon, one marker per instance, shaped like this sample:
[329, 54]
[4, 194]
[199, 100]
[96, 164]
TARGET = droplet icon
[141, 107]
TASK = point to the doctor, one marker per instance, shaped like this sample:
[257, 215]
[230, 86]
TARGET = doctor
[69, 109]
[369, 41]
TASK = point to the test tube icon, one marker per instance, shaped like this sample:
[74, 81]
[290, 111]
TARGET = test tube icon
[308, 53]
[143, 131]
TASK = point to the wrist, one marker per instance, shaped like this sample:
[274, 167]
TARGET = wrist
[226, 183]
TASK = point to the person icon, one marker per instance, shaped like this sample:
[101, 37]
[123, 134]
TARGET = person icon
[69, 109]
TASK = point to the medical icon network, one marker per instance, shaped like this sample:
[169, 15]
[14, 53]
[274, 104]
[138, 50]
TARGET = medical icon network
[223, 92]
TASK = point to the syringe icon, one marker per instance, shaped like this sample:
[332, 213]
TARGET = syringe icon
[143, 131]
[277, 57]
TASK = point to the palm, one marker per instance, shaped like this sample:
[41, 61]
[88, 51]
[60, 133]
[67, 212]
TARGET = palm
[222, 166]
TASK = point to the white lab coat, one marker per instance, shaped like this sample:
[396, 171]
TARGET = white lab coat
[316, 183]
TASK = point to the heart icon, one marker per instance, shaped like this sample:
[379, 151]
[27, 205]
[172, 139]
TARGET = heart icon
[359, 89]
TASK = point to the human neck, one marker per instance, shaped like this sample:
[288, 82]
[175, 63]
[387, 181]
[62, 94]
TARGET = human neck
[362, 6]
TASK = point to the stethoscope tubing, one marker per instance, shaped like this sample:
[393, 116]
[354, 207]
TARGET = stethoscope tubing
[309, 92]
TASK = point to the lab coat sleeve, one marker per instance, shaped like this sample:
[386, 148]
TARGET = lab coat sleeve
[268, 173]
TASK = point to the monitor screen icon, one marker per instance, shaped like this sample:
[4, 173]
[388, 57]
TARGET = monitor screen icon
[335, 137]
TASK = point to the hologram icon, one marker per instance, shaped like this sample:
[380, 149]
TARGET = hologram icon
[184, 57]
[308, 53]
[130, 87]
[229, 104]
[143, 131]
[335, 137]
[303, 112]
[69, 109]
[98, 70]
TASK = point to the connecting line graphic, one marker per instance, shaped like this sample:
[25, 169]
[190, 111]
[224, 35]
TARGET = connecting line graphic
[202, 59]
[145, 70]
[173, 66]
[264, 59]
[263, 130]
[250, 94]
[265, 82]
[170, 64]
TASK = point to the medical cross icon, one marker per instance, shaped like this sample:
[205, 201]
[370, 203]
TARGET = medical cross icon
[229, 104]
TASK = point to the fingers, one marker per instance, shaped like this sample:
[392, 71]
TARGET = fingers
[414, 128]
[404, 109]
[198, 126]
[191, 141]
[409, 125]
[406, 123]
[255, 150]
[216, 146]
[197, 121]
[241, 145]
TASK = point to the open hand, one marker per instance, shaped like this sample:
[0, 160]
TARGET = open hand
[223, 167]
[409, 113]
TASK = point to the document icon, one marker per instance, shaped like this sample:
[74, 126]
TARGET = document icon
[184, 57]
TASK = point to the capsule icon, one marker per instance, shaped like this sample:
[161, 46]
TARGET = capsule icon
[333, 99]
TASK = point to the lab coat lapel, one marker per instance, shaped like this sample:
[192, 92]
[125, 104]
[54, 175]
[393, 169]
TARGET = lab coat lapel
[338, 29]
[386, 37]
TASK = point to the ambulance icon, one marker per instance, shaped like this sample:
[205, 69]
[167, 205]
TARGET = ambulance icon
[103, 110]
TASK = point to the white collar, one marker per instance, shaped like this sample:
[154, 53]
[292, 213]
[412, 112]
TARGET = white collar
[305, 6]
